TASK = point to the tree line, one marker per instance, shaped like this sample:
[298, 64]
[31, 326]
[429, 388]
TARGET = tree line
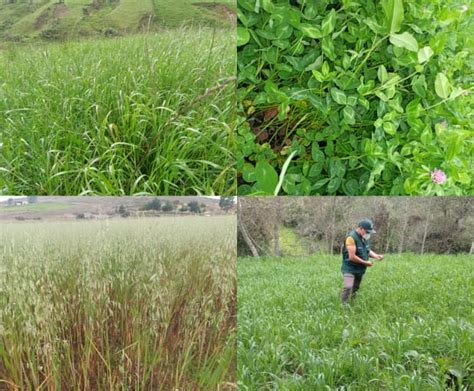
[403, 224]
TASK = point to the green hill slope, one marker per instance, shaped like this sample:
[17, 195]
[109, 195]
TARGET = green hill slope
[25, 20]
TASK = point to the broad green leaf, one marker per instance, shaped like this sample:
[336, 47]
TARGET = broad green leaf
[389, 128]
[365, 103]
[243, 36]
[442, 86]
[242, 17]
[337, 168]
[382, 74]
[376, 170]
[346, 61]
[418, 84]
[457, 91]
[315, 170]
[424, 54]
[327, 45]
[294, 17]
[414, 109]
[244, 190]
[311, 9]
[316, 153]
[325, 68]
[266, 177]
[426, 137]
[317, 185]
[390, 92]
[267, 5]
[349, 115]
[390, 116]
[284, 32]
[318, 75]
[374, 26]
[404, 40]
[248, 173]
[334, 184]
[329, 23]
[382, 96]
[351, 187]
[352, 100]
[393, 10]
[310, 31]
[338, 96]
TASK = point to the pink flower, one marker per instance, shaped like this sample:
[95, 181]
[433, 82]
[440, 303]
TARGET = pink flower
[438, 176]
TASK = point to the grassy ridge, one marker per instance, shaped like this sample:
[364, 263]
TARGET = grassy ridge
[119, 116]
[131, 304]
[411, 327]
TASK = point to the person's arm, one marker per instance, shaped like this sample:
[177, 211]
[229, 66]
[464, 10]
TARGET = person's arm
[354, 258]
[373, 254]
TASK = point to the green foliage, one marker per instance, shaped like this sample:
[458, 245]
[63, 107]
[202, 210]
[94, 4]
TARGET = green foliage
[371, 96]
[121, 116]
[119, 305]
[410, 327]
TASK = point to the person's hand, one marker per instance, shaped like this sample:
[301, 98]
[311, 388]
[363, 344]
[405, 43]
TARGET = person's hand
[381, 257]
[369, 263]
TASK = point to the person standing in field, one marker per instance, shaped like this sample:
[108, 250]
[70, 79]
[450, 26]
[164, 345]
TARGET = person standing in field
[355, 258]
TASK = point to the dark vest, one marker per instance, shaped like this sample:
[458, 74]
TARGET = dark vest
[362, 251]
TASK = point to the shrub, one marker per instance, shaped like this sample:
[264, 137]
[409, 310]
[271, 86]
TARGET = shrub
[167, 207]
[152, 205]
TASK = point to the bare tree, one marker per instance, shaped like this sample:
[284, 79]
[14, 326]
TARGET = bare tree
[244, 232]
[404, 227]
[427, 223]
[276, 227]
[418, 224]
[333, 224]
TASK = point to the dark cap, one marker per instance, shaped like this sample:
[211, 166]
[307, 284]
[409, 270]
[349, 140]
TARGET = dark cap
[367, 225]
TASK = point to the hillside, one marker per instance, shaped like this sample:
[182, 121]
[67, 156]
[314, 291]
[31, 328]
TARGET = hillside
[25, 20]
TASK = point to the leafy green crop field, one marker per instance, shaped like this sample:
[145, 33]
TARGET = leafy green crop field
[410, 328]
[143, 304]
[142, 114]
[356, 97]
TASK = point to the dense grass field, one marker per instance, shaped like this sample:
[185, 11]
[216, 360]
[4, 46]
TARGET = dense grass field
[410, 328]
[142, 114]
[123, 304]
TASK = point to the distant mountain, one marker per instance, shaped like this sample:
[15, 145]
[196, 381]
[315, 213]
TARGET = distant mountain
[24, 20]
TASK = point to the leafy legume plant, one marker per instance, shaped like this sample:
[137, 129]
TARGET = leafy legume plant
[356, 97]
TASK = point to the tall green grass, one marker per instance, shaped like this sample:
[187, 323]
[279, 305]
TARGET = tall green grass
[410, 328]
[124, 116]
[134, 304]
